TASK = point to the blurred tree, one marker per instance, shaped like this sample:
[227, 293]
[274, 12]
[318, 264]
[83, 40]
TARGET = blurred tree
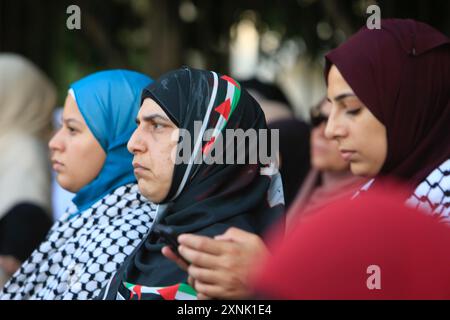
[158, 35]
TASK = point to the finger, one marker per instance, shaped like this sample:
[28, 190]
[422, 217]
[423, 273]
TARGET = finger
[235, 234]
[209, 276]
[205, 289]
[200, 259]
[201, 243]
[202, 296]
[169, 254]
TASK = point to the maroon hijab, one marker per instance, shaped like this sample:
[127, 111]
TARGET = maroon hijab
[402, 74]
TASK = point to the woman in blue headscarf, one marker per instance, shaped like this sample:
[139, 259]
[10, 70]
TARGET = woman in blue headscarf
[108, 217]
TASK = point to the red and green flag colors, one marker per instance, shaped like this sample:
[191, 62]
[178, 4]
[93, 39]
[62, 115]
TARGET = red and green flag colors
[180, 291]
[225, 109]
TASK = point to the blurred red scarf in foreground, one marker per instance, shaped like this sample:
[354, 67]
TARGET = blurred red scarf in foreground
[373, 247]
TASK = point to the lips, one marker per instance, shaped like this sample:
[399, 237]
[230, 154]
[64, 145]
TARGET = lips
[139, 169]
[136, 165]
[57, 165]
[346, 154]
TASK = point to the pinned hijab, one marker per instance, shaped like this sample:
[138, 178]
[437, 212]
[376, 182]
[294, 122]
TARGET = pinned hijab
[402, 74]
[109, 103]
[204, 198]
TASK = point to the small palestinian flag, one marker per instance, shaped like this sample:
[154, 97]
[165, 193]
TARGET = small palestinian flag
[225, 109]
[180, 291]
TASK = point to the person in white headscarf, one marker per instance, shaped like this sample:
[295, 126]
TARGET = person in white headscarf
[27, 98]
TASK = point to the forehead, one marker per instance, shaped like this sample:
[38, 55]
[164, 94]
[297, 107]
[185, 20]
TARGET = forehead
[71, 108]
[150, 107]
[337, 84]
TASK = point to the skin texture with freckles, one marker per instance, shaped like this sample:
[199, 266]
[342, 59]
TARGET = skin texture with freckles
[362, 139]
[77, 156]
[153, 145]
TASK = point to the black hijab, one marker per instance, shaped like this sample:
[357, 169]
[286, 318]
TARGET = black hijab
[205, 199]
[295, 155]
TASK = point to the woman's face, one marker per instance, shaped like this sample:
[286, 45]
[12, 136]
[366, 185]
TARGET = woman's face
[154, 144]
[325, 155]
[77, 157]
[361, 138]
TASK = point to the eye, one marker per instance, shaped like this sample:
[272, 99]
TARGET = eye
[157, 126]
[354, 112]
[71, 130]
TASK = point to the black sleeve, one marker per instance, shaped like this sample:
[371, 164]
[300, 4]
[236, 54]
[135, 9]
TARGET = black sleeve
[22, 229]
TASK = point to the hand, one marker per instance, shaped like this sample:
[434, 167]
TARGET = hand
[169, 254]
[220, 267]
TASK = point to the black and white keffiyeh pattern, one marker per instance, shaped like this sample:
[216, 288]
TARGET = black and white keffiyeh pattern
[431, 196]
[82, 252]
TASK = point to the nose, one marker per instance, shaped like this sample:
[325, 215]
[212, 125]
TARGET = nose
[135, 144]
[56, 143]
[334, 128]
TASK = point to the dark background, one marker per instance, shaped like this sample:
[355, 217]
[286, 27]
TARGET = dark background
[155, 36]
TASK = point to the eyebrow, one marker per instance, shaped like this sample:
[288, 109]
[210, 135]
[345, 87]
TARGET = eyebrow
[69, 120]
[152, 117]
[342, 97]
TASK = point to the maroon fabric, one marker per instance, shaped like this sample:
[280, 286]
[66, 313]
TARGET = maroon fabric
[402, 74]
[327, 255]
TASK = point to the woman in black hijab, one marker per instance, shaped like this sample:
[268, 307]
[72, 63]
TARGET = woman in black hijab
[203, 198]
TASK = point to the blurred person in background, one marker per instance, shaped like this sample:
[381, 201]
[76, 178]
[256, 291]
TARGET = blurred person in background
[273, 101]
[329, 178]
[294, 135]
[27, 99]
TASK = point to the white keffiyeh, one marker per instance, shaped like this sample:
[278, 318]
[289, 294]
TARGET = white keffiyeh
[82, 251]
[431, 196]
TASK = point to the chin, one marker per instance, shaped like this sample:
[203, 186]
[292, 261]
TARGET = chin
[152, 199]
[361, 170]
[66, 185]
[150, 196]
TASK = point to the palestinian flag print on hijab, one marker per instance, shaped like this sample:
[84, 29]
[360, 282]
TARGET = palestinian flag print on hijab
[180, 291]
[225, 109]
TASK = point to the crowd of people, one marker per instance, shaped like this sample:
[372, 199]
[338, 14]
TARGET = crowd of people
[365, 183]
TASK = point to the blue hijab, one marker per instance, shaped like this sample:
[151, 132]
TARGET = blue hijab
[109, 102]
